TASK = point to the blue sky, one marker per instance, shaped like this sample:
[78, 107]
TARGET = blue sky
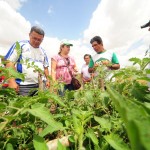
[60, 18]
[116, 21]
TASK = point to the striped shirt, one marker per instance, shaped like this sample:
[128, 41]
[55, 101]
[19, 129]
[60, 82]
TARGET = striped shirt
[36, 55]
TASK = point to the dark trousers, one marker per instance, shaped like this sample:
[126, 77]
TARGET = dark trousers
[68, 87]
[28, 90]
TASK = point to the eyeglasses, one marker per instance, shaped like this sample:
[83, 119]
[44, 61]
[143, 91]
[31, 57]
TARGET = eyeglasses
[36, 39]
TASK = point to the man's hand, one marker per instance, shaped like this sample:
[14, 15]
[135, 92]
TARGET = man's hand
[96, 65]
[12, 84]
[106, 62]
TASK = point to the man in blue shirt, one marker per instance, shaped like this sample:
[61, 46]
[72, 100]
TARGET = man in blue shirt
[33, 52]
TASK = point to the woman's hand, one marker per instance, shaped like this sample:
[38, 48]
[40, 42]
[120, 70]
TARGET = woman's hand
[47, 83]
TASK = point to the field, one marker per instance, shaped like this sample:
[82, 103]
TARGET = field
[91, 118]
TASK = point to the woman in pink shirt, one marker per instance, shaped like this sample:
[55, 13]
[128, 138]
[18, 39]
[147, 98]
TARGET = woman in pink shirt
[61, 65]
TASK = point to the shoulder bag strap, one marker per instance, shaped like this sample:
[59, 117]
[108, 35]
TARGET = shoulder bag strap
[67, 65]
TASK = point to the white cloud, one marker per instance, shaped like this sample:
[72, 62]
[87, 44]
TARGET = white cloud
[36, 22]
[13, 26]
[15, 4]
[50, 10]
[118, 23]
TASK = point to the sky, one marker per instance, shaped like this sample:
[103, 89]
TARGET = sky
[117, 22]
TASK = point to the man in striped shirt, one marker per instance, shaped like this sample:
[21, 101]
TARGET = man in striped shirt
[34, 53]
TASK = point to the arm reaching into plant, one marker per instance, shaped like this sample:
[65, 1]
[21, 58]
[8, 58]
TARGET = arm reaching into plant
[53, 69]
[46, 72]
[27, 56]
[115, 67]
[11, 82]
[102, 56]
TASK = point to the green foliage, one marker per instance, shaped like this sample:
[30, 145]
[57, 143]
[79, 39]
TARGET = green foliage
[141, 62]
[134, 116]
[116, 142]
[39, 143]
[18, 48]
[60, 146]
[11, 73]
[9, 146]
[94, 119]
[104, 123]
[90, 134]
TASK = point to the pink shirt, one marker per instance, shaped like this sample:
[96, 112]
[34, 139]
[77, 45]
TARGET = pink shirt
[62, 72]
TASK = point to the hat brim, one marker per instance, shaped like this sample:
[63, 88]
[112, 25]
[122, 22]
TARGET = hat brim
[68, 44]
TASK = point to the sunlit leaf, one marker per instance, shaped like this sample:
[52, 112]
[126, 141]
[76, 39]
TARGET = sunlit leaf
[116, 142]
[9, 146]
[39, 143]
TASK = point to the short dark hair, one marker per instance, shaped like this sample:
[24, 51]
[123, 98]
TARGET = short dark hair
[98, 39]
[38, 30]
[87, 55]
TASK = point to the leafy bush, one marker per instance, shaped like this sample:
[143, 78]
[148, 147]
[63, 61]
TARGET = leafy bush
[93, 118]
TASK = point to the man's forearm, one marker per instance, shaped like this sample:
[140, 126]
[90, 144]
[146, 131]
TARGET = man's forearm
[46, 72]
[53, 74]
[11, 65]
[12, 82]
[91, 70]
[115, 66]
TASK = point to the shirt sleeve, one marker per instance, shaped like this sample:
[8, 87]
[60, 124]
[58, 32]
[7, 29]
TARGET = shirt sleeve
[115, 59]
[91, 63]
[12, 54]
[82, 69]
[55, 58]
[46, 62]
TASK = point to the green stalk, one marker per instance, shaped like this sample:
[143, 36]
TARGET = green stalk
[80, 141]
[80, 137]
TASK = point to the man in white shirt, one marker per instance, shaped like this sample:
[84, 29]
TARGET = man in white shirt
[31, 51]
[102, 56]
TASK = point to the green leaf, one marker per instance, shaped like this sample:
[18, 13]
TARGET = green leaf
[144, 78]
[13, 73]
[104, 123]
[43, 113]
[52, 128]
[147, 71]
[90, 134]
[56, 99]
[139, 92]
[135, 60]
[136, 119]
[60, 146]
[116, 142]
[2, 125]
[71, 139]
[18, 48]
[9, 146]
[2, 105]
[89, 97]
[39, 143]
